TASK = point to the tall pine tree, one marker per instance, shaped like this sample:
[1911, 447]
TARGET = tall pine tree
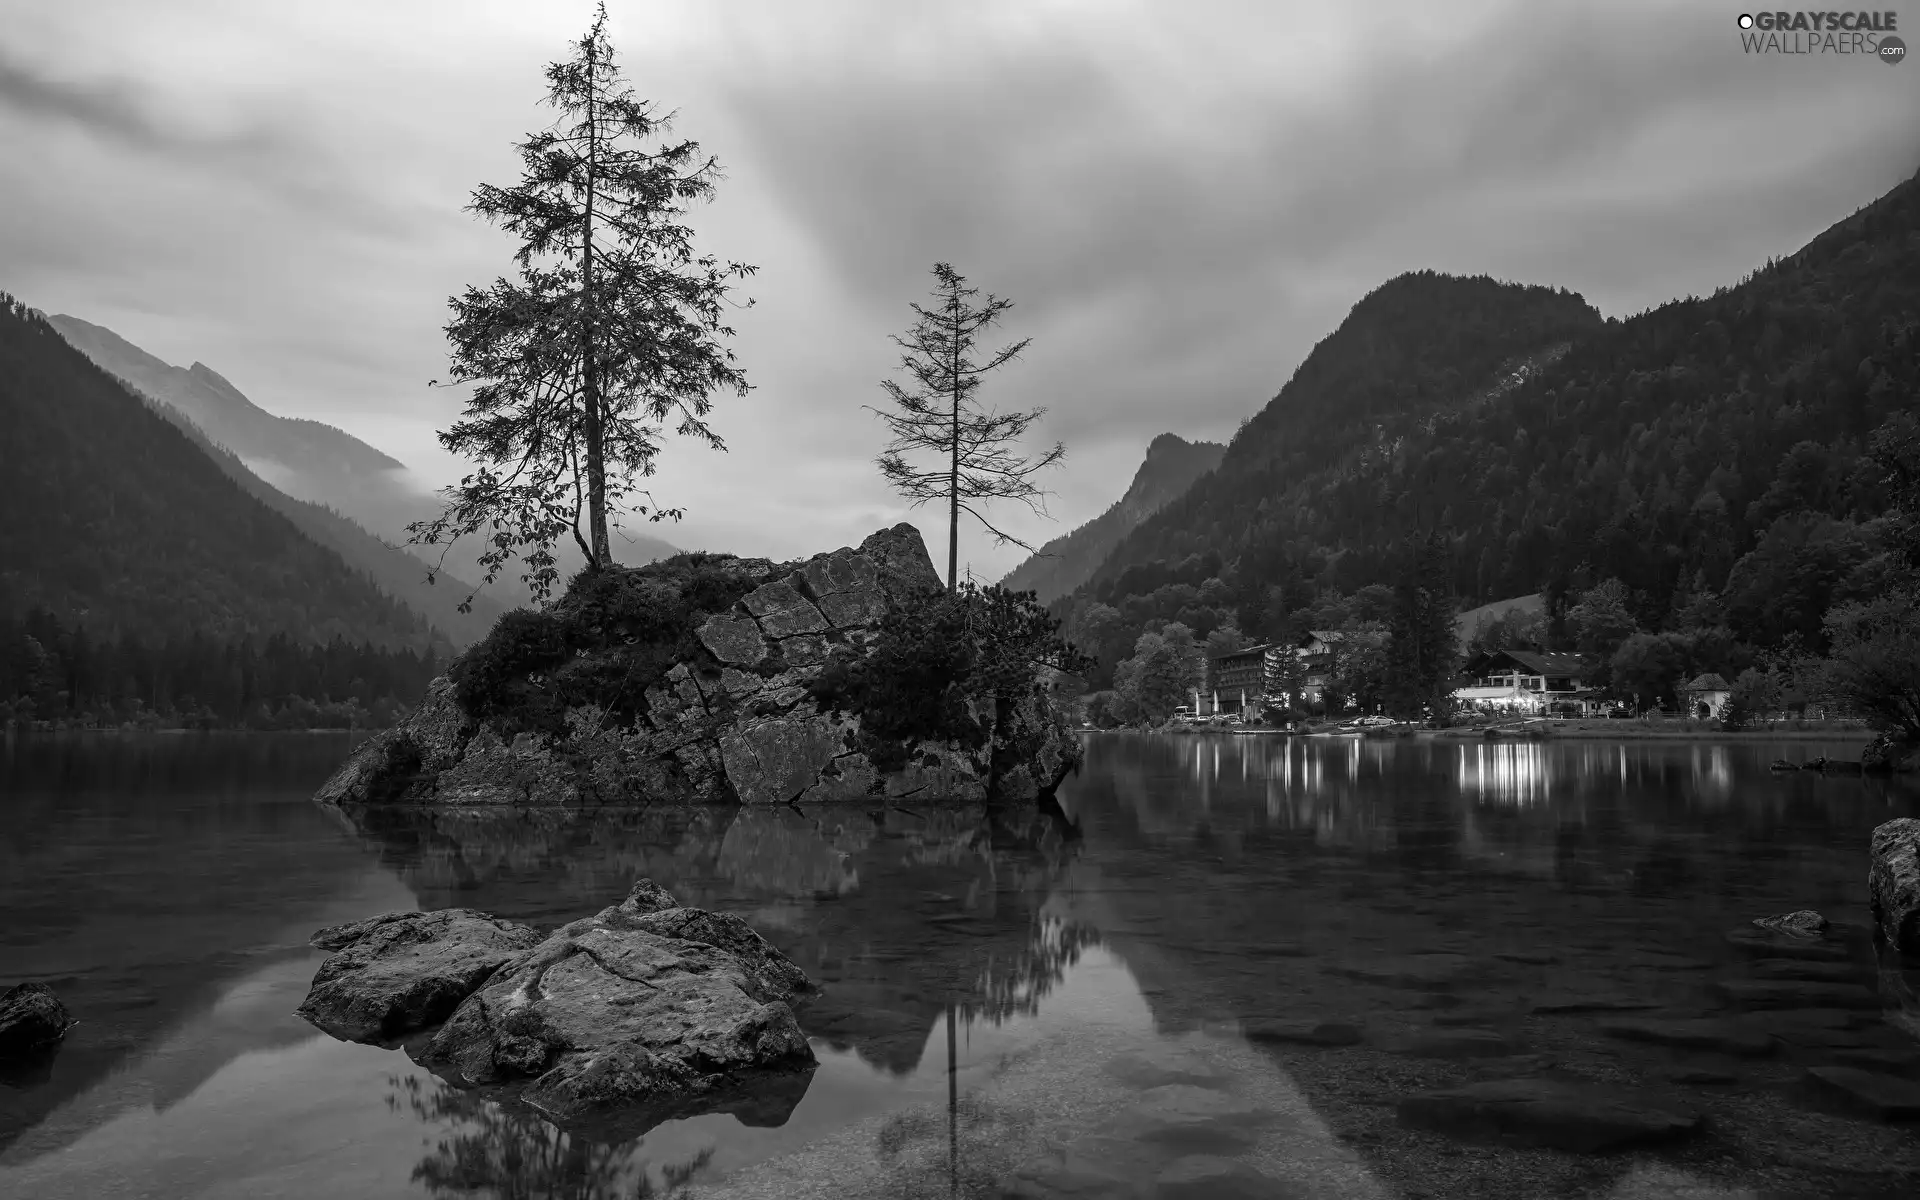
[611, 331]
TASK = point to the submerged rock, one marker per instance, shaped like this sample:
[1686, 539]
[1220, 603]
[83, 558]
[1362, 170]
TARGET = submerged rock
[702, 679]
[643, 1012]
[1893, 883]
[1578, 1117]
[401, 972]
[1158, 1066]
[32, 1022]
[1803, 924]
[1189, 1120]
[1769, 944]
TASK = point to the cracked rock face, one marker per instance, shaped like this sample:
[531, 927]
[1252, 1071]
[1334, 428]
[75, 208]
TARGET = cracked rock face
[644, 1012]
[1893, 883]
[32, 1022]
[401, 972]
[733, 721]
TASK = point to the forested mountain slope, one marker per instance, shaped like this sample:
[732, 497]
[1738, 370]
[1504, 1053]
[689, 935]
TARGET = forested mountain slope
[397, 573]
[1711, 446]
[117, 520]
[1171, 465]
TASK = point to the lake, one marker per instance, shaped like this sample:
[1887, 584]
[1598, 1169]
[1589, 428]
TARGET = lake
[1216, 968]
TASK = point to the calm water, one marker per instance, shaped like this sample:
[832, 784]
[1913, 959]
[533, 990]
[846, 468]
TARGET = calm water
[996, 987]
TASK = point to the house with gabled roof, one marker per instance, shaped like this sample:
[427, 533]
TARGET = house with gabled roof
[1705, 698]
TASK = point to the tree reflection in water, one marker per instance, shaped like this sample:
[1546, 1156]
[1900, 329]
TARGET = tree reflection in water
[489, 1150]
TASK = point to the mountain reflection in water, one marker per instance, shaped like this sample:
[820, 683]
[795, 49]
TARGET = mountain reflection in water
[982, 971]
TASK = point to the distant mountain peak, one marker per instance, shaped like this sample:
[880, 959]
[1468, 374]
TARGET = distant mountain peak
[1171, 465]
[312, 449]
[202, 371]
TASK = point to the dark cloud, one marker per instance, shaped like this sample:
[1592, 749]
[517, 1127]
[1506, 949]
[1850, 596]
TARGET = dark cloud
[118, 111]
[273, 150]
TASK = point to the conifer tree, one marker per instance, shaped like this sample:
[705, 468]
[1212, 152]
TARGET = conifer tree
[611, 332]
[976, 461]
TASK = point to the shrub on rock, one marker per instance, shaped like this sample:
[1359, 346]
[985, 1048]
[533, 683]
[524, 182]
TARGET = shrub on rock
[707, 678]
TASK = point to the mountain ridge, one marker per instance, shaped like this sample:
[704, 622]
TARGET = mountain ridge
[137, 530]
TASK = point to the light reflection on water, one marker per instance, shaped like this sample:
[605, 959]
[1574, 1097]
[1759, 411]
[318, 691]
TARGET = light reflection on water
[168, 895]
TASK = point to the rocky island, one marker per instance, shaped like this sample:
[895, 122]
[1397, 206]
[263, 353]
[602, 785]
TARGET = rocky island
[707, 678]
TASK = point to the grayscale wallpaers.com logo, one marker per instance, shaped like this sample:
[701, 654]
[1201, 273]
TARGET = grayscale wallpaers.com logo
[1869, 34]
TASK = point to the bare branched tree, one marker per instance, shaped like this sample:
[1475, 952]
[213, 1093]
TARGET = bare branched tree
[611, 331]
[976, 460]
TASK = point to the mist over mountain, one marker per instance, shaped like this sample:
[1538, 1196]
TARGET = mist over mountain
[1171, 465]
[121, 522]
[304, 459]
[1711, 448]
[322, 466]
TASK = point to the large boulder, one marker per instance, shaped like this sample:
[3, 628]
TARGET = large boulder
[697, 680]
[643, 1012]
[1893, 883]
[32, 1022]
[401, 972]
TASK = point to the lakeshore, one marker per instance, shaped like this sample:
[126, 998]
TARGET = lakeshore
[1628, 731]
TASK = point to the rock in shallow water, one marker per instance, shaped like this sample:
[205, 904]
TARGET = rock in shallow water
[1893, 883]
[1805, 923]
[1578, 1117]
[630, 1017]
[401, 972]
[1157, 1066]
[1767, 944]
[643, 1012]
[32, 1021]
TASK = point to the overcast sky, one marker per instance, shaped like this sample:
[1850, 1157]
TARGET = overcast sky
[1180, 197]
